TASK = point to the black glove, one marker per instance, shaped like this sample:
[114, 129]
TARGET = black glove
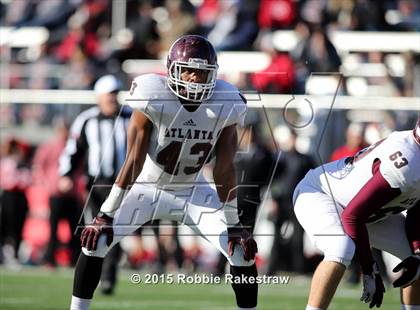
[411, 271]
[239, 235]
[378, 296]
[373, 288]
[102, 224]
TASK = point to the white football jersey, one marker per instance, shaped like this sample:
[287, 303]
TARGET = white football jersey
[182, 141]
[400, 166]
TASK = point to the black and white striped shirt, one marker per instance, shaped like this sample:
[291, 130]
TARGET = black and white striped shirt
[99, 141]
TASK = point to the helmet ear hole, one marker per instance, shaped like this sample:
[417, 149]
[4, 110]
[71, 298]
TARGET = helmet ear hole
[195, 52]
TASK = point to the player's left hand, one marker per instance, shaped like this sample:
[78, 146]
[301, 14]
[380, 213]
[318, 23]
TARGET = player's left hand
[410, 271]
[239, 235]
[373, 288]
[102, 224]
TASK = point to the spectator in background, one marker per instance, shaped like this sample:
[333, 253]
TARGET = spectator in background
[12, 12]
[40, 77]
[312, 11]
[98, 139]
[236, 27]
[279, 76]
[300, 67]
[288, 234]
[44, 74]
[369, 16]
[88, 31]
[78, 38]
[383, 85]
[318, 52]
[356, 15]
[2, 14]
[146, 36]
[409, 15]
[278, 14]
[206, 16]
[80, 75]
[46, 13]
[141, 38]
[15, 177]
[79, 51]
[354, 142]
[411, 79]
[313, 53]
[65, 202]
[180, 21]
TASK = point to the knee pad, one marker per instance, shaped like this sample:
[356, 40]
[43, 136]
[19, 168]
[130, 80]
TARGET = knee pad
[338, 249]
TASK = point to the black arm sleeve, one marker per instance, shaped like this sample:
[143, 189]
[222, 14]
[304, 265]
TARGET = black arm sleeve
[412, 228]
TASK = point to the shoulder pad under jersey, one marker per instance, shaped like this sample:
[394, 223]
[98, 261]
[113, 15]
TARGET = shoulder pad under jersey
[147, 93]
[400, 164]
[234, 103]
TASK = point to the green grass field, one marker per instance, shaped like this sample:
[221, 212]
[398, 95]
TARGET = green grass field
[39, 288]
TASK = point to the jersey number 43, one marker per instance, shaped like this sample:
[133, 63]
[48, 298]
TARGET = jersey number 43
[169, 157]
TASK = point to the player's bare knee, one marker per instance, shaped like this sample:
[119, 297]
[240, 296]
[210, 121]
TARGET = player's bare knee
[340, 251]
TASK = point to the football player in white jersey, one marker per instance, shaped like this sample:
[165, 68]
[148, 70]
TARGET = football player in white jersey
[349, 205]
[179, 123]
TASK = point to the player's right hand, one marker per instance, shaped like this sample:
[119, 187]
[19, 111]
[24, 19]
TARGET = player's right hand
[373, 288]
[239, 235]
[102, 224]
[411, 271]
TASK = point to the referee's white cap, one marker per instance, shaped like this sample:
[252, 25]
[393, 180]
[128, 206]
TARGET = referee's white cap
[107, 84]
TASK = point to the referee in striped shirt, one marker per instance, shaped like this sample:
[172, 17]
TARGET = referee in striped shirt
[97, 141]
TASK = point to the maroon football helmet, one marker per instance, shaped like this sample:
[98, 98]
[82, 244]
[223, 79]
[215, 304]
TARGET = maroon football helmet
[194, 52]
[416, 131]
